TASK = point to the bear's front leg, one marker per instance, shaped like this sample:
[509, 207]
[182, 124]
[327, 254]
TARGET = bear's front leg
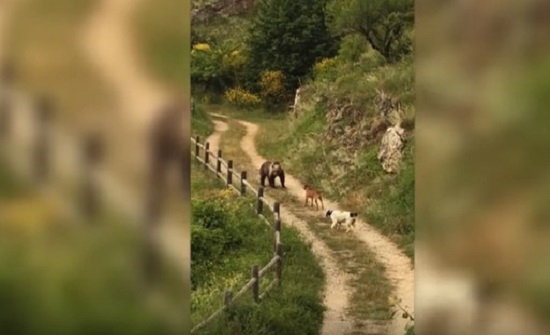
[272, 181]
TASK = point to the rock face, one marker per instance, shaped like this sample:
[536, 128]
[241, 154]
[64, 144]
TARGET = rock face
[390, 153]
[205, 11]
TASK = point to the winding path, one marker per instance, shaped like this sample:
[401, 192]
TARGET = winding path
[336, 294]
[398, 266]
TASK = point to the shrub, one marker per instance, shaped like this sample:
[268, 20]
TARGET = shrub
[272, 88]
[233, 65]
[325, 68]
[242, 98]
[352, 47]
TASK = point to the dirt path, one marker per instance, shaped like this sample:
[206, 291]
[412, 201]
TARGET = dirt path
[398, 266]
[336, 295]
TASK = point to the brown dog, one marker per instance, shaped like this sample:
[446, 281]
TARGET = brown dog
[314, 195]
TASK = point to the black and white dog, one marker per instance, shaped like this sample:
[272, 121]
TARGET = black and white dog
[341, 217]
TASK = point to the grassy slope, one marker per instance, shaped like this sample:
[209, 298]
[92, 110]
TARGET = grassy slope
[386, 201]
[354, 178]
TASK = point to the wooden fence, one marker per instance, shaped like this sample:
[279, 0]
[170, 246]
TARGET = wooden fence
[238, 181]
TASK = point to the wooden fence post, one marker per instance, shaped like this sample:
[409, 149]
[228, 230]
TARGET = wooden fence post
[276, 234]
[260, 203]
[41, 148]
[279, 264]
[256, 285]
[197, 149]
[92, 155]
[206, 154]
[227, 298]
[230, 172]
[243, 182]
[219, 163]
[276, 210]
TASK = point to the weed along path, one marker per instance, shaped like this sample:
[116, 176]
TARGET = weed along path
[398, 267]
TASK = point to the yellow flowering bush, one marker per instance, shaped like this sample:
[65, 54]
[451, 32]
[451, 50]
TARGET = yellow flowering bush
[324, 65]
[226, 193]
[202, 47]
[242, 98]
[272, 83]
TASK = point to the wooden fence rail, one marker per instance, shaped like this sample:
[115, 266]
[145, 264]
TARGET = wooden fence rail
[238, 181]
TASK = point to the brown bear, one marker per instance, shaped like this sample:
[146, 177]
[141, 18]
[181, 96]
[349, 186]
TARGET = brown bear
[272, 170]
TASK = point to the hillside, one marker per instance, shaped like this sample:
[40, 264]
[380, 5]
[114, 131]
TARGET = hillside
[315, 86]
[332, 138]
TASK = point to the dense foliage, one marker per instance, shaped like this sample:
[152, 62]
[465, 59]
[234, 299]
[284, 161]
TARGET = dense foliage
[385, 24]
[289, 36]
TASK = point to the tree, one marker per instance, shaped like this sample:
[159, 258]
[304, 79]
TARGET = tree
[386, 24]
[289, 36]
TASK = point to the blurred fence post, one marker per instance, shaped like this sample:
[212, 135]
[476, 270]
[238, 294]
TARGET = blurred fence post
[279, 264]
[206, 154]
[41, 151]
[256, 285]
[276, 210]
[243, 182]
[276, 234]
[227, 298]
[219, 162]
[260, 203]
[197, 148]
[230, 172]
[93, 151]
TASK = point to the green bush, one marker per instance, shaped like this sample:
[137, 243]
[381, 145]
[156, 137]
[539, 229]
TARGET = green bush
[352, 47]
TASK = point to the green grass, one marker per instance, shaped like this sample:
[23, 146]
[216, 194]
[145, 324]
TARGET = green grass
[201, 122]
[231, 147]
[295, 308]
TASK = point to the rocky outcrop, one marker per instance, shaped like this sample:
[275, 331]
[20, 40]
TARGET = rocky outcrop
[205, 11]
[391, 148]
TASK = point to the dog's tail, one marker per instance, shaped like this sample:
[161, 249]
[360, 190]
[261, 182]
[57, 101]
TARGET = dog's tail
[353, 215]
